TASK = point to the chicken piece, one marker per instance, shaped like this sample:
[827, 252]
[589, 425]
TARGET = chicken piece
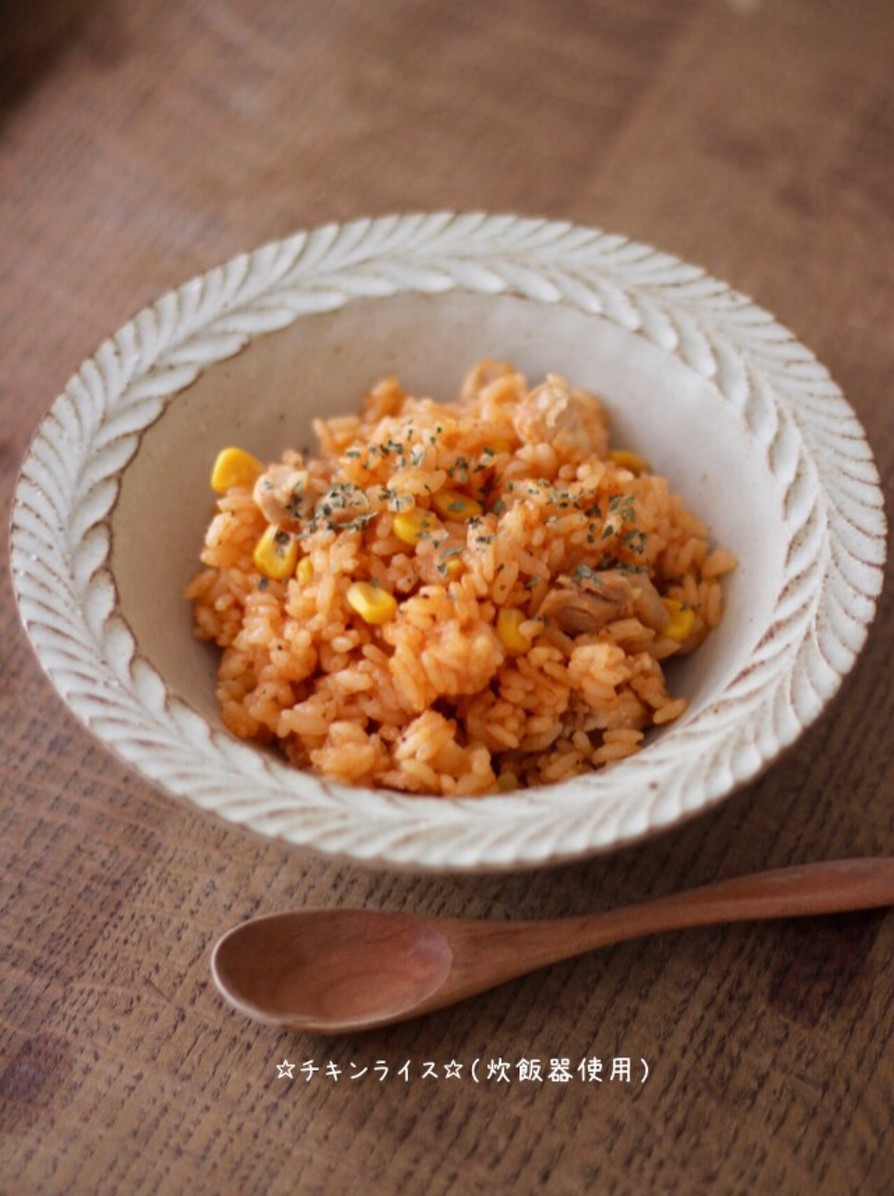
[482, 375]
[585, 608]
[570, 420]
[589, 600]
[648, 605]
[280, 494]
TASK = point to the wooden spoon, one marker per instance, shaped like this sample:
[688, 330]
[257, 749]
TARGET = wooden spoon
[333, 971]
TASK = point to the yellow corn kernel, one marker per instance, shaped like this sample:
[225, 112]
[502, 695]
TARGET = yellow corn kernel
[453, 567]
[499, 444]
[415, 525]
[627, 460]
[681, 622]
[234, 467]
[304, 570]
[371, 602]
[276, 554]
[453, 505]
[509, 621]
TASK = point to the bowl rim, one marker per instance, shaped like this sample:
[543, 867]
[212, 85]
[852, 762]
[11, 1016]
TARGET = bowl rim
[60, 539]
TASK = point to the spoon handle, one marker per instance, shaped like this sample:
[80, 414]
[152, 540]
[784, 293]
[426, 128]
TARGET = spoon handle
[832, 886]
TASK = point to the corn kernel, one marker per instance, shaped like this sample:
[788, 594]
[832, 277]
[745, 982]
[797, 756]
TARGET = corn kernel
[509, 621]
[681, 622]
[305, 570]
[455, 506]
[234, 467]
[276, 554]
[372, 603]
[415, 525]
[453, 568]
[627, 460]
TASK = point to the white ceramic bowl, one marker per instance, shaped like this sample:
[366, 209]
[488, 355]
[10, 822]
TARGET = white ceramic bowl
[113, 500]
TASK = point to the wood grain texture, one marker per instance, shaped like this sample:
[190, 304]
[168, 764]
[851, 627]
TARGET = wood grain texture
[754, 139]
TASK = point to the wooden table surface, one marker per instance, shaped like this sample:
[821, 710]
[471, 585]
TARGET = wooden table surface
[160, 138]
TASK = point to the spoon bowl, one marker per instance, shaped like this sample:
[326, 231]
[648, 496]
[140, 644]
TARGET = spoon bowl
[331, 968]
[336, 971]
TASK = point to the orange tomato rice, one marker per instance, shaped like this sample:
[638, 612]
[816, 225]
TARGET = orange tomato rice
[454, 598]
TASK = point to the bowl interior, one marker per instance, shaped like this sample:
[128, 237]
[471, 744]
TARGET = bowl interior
[265, 398]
